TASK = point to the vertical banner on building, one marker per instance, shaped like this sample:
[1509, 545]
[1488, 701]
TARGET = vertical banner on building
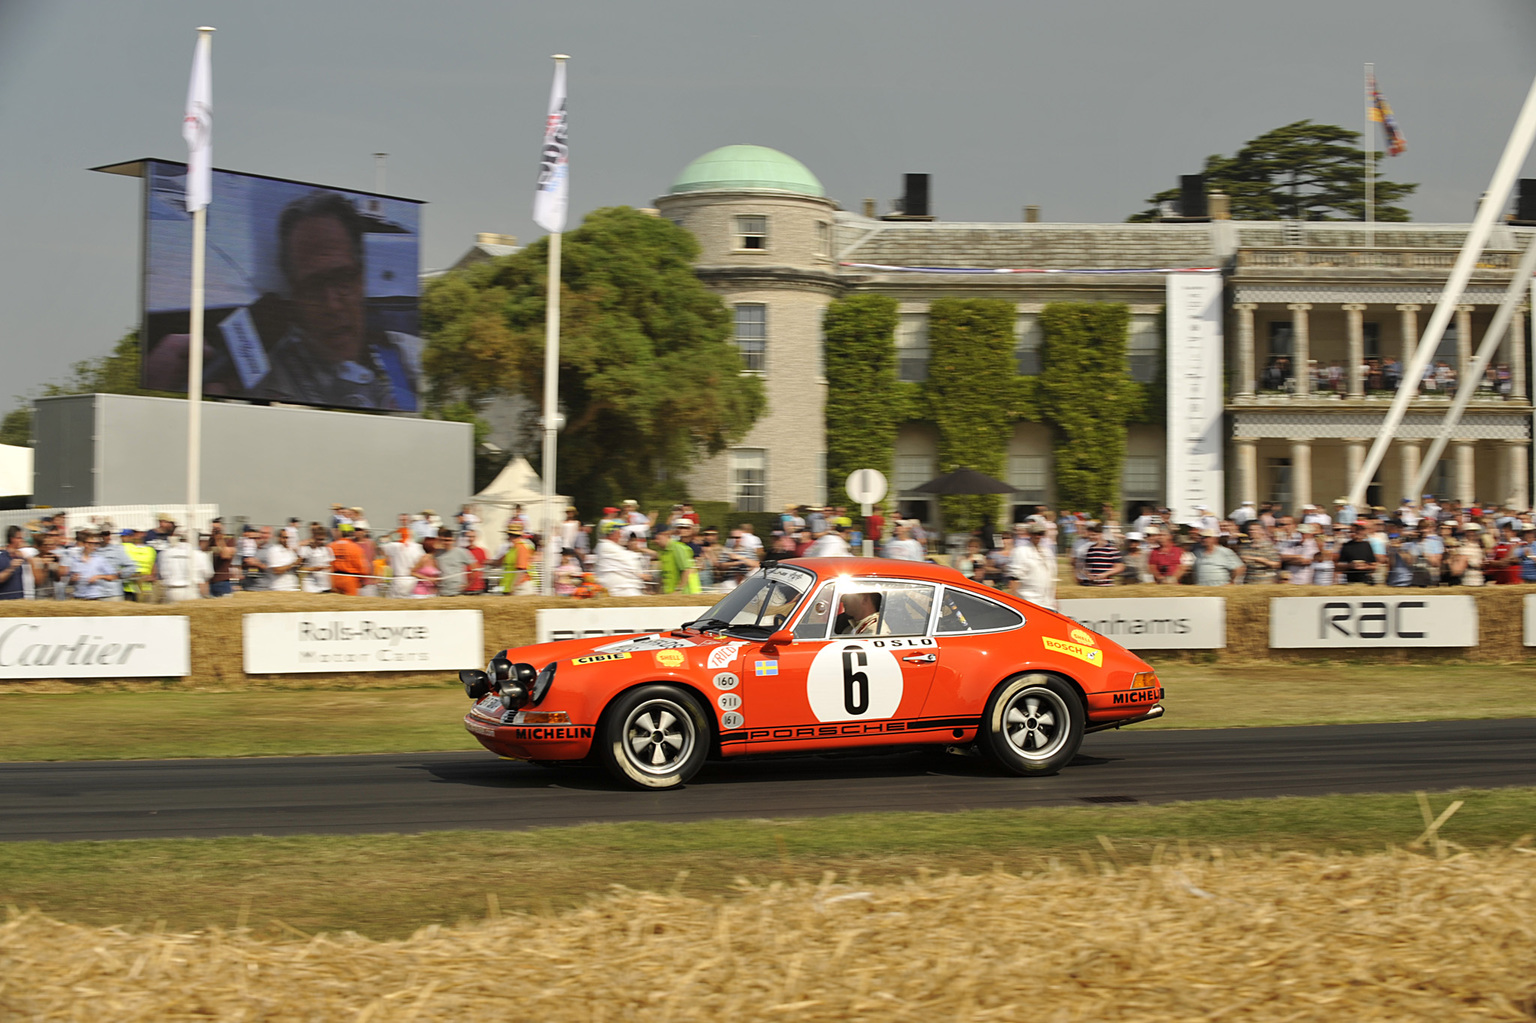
[1194, 472]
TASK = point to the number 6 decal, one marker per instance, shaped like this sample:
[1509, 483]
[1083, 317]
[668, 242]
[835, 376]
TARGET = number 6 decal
[853, 680]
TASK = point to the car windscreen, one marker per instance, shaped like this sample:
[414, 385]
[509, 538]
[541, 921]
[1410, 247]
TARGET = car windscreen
[763, 603]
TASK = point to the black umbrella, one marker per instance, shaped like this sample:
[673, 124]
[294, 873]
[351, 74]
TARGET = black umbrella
[964, 481]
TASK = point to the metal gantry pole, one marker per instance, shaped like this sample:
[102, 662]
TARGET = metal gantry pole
[1494, 199]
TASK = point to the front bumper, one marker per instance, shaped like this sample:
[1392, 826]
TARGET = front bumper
[529, 742]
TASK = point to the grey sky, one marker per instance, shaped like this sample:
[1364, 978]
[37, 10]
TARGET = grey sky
[1084, 108]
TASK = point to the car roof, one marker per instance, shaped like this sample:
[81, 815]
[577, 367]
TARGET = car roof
[890, 568]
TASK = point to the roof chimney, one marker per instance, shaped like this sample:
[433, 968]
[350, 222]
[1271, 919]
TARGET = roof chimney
[1220, 205]
[1031, 214]
[492, 238]
[914, 200]
[870, 207]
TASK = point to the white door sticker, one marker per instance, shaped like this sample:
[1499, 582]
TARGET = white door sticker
[724, 656]
[853, 680]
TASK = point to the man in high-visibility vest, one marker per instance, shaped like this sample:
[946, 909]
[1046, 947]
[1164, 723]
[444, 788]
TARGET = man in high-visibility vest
[141, 586]
[517, 564]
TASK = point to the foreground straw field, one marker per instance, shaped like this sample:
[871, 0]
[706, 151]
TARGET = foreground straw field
[1391, 936]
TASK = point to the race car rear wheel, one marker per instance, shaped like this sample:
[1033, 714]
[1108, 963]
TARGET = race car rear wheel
[654, 737]
[1033, 724]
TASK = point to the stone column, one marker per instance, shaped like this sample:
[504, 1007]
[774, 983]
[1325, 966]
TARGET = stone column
[1301, 348]
[1246, 380]
[1301, 473]
[1466, 470]
[1354, 461]
[1517, 469]
[1247, 468]
[1353, 312]
[1515, 344]
[1464, 346]
[1409, 452]
[1408, 325]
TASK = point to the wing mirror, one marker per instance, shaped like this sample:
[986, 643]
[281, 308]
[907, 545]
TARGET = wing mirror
[783, 637]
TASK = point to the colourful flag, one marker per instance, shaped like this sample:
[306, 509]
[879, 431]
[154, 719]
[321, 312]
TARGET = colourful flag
[554, 192]
[1381, 113]
[197, 127]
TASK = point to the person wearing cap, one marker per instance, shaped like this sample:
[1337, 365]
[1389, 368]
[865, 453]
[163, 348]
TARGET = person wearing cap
[1031, 573]
[350, 565]
[184, 571]
[1261, 558]
[518, 564]
[638, 523]
[1504, 560]
[1137, 550]
[1302, 555]
[139, 586]
[98, 575]
[675, 563]
[1344, 513]
[1311, 514]
[1216, 564]
[1244, 514]
[1466, 558]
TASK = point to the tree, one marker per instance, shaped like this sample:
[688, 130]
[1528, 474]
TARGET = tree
[649, 377]
[1302, 171]
[862, 404]
[114, 373]
[970, 394]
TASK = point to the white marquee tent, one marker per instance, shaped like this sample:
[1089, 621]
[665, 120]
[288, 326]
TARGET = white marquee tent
[15, 471]
[514, 485]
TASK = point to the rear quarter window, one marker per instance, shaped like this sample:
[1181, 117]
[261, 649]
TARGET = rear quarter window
[966, 612]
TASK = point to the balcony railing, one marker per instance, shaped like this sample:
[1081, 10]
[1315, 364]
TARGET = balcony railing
[1369, 259]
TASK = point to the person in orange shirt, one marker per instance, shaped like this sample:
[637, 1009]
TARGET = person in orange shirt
[349, 566]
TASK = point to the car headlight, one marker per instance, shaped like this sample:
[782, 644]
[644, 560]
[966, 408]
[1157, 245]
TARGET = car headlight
[476, 682]
[520, 676]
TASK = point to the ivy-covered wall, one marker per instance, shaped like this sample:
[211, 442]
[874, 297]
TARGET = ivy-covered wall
[971, 372]
[863, 400]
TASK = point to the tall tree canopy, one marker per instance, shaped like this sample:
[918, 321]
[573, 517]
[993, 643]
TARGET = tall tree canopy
[114, 373]
[1302, 171]
[649, 377]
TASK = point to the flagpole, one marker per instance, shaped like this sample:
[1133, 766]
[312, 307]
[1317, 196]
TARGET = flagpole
[195, 342]
[552, 553]
[1370, 162]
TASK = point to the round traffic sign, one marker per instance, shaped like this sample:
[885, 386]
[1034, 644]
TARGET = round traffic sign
[866, 486]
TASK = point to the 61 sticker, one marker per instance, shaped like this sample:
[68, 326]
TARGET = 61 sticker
[854, 681]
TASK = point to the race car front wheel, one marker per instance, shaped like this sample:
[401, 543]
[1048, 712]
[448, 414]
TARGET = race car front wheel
[1033, 724]
[654, 737]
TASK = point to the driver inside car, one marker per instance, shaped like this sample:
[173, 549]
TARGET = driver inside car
[861, 615]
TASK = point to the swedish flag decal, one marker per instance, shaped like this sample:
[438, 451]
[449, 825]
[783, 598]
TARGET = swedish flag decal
[767, 667]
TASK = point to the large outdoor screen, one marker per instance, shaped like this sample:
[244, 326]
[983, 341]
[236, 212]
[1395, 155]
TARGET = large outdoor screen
[310, 296]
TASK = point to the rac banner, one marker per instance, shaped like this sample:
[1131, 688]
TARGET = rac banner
[344, 641]
[147, 646]
[1355, 623]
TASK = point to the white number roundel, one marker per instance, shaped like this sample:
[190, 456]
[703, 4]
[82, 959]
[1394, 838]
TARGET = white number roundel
[854, 681]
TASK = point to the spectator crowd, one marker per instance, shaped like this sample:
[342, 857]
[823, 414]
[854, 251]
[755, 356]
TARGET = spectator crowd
[627, 552]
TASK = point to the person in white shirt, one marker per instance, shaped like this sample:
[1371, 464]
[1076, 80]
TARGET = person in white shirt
[316, 557]
[832, 544]
[1033, 574]
[282, 564]
[1244, 515]
[1205, 521]
[1143, 521]
[402, 556]
[1313, 515]
[903, 548]
[615, 567]
[184, 570]
[638, 522]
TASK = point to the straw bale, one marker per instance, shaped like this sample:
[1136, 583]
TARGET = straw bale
[1392, 936]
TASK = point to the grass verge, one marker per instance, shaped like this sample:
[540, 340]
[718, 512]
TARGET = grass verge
[389, 885]
[168, 722]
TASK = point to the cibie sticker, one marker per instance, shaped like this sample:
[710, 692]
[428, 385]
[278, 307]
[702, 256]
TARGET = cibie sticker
[724, 656]
[670, 658]
[727, 701]
[599, 658]
[1085, 638]
[1082, 653]
[731, 719]
[853, 681]
[726, 680]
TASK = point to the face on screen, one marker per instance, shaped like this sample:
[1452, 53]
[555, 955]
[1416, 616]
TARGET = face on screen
[327, 282]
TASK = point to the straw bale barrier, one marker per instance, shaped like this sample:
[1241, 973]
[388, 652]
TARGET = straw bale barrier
[509, 622]
[1391, 936]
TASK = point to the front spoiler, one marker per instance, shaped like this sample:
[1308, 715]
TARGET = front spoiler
[1151, 715]
[532, 742]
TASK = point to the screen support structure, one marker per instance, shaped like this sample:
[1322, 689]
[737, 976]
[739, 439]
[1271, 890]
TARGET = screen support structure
[1494, 200]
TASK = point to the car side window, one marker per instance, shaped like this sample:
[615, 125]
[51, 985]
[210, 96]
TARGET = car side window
[966, 612]
[883, 607]
[813, 624]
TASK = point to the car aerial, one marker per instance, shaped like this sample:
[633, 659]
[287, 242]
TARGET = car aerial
[816, 655]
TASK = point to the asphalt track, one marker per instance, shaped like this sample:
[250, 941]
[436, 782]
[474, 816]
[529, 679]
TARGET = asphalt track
[439, 791]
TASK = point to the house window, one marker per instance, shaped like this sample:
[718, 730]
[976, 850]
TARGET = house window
[749, 479]
[1026, 475]
[1279, 482]
[912, 471]
[752, 335]
[823, 238]
[912, 348]
[1027, 347]
[1144, 350]
[752, 232]
[1372, 339]
[1280, 338]
[1143, 478]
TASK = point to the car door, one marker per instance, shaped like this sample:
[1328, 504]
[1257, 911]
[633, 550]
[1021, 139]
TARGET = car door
[836, 686]
[979, 640]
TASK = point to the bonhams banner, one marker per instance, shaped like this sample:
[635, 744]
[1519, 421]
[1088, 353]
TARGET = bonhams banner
[1194, 470]
[148, 646]
[345, 641]
[1140, 623]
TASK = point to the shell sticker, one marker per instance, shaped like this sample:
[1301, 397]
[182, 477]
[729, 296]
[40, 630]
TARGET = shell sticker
[1082, 653]
[670, 658]
[1085, 638]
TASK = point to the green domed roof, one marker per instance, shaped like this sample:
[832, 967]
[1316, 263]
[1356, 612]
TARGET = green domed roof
[731, 168]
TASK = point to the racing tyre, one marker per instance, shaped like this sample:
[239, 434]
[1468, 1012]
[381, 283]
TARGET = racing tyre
[1033, 724]
[654, 737]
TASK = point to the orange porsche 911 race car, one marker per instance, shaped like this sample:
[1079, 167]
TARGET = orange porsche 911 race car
[810, 656]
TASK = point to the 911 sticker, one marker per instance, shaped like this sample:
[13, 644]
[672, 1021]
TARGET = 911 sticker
[1082, 653]
[728, 701]
[854, 681]
[599, 658]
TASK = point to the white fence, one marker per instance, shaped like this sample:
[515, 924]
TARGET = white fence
[118, 516]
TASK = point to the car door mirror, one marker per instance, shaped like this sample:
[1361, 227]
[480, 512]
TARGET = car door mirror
[783, 637]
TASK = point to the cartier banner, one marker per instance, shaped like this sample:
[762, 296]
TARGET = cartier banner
[149, 646]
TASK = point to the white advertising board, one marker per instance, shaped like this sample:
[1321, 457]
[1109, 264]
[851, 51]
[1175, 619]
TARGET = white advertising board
[147, 646]
[1194, 470]
[555, 623]
[1529, 603]
[342, 641]
[1142, 623]
[1354, 623]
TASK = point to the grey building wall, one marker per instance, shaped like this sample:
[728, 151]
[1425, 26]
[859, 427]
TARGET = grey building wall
[265, 463]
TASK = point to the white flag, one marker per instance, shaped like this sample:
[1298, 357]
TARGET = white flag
[554, 192]
[197, 127]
